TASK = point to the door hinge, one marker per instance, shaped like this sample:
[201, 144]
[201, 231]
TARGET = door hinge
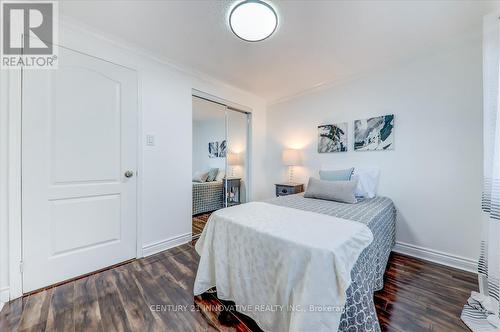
[21, 266]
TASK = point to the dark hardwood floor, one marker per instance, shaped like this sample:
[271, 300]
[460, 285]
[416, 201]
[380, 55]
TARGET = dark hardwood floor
[155, 294]
[423, 296]
[199, 222]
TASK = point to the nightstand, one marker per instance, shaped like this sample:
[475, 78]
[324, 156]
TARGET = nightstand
[231, 191]
[283, 189]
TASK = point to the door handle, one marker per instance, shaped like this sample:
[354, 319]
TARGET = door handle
[129, 174]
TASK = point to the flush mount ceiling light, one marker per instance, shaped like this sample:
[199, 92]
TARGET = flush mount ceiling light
[253, 20]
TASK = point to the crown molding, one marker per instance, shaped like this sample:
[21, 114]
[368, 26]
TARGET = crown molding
[78, 26]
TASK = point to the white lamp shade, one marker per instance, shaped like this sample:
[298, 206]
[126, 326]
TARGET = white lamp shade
[291, 157]
[233, 159]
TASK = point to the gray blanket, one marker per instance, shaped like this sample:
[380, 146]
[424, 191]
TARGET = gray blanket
[379, 214]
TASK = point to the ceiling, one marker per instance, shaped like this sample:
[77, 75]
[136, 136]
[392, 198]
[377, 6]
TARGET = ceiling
[317, 42]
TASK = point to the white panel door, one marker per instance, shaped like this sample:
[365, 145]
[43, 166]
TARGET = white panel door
[79, 140]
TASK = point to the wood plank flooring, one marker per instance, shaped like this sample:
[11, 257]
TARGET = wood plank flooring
[155, 294]
[423, 296]
[199, 222]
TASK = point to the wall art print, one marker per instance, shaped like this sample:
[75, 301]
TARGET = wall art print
[374, 133]
[217, 149]
[332, 138]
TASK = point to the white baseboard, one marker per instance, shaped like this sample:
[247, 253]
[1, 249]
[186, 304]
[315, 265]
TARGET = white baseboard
[154, 248]
[4, 296]
[435, 256]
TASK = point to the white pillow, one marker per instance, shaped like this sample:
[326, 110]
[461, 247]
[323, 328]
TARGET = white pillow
[200, 177]
[367, 181]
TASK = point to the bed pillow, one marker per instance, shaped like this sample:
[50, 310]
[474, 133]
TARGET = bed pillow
[367, 181]
[339, 191]
[212, 174]
[200, 176]
[336, 175]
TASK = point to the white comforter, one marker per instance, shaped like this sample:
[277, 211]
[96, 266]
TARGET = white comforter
[287, 269]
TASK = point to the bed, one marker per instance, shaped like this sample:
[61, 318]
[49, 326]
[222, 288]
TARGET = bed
[379, 215]
[207, 196]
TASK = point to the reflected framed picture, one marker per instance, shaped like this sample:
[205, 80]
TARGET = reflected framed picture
[222, 151]
[213, 149]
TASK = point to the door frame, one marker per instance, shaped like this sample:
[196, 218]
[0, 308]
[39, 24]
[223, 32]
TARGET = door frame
[14, 172]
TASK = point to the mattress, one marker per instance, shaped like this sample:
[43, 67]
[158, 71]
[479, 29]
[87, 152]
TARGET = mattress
[379, 214]
[207, 196]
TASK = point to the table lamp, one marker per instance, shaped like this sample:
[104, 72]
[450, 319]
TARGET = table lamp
[233, 159]
[291, 158]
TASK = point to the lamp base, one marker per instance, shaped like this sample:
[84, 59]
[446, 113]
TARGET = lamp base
[290, 174]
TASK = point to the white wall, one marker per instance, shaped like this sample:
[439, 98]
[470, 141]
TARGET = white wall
[434, 174]
[165, 102]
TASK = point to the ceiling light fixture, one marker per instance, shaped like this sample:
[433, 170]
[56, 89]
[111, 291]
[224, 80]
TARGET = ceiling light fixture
[253, 20]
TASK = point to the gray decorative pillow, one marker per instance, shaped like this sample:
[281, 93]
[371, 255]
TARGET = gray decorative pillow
[200, 177]
[336, 175]
[212, 174]
[339, 191]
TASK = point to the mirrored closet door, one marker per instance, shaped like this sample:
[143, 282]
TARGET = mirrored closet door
[237, 151]
[220, 158]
